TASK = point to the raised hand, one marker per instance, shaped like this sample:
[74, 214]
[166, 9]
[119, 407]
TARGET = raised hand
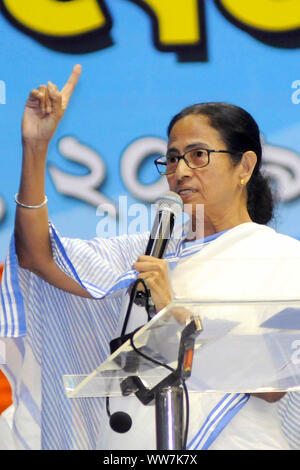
[45, 107]
[43, 111]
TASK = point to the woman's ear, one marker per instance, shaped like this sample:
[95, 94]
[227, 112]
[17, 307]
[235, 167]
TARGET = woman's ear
[247, 165]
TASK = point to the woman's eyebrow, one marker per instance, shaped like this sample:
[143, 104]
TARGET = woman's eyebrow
[189, 147]
[196, 144]
[172, 150]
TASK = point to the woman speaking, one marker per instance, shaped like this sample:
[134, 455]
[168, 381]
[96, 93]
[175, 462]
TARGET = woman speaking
[62, 298]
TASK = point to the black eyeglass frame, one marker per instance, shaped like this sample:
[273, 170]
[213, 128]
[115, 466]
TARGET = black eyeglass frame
[182, 157]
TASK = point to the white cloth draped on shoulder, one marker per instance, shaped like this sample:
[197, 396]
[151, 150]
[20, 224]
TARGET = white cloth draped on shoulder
[49, 333]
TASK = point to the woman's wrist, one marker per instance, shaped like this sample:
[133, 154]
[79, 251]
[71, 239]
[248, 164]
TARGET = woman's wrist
[35, 146]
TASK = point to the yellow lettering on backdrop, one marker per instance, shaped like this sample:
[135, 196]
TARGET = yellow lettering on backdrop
[54, 18]
[265, 15]
[178, 21]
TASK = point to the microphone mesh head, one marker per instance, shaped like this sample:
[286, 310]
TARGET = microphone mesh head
[170, 201]
[120, 422]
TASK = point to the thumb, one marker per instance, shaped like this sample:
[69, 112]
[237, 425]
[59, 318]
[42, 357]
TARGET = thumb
[55, 97]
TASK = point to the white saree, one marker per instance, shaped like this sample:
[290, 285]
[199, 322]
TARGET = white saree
[49, 333]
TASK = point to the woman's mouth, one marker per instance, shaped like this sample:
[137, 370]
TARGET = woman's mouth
[185, 192]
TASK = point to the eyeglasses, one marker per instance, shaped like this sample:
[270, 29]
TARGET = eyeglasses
[196, 158]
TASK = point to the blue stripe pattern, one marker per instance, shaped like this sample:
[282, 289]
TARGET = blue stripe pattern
[217, 419]
[289, 412]
[65, 334]
[56, 333]
[12, 315]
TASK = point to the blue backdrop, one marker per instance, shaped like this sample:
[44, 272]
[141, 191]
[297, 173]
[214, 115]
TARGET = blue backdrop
[141, 65]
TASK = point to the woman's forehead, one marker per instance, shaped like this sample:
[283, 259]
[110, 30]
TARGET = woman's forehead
[193, 128]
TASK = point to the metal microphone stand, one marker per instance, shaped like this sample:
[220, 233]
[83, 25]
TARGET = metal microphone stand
[168, 394]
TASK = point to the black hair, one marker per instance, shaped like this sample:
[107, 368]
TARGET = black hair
[240, 133]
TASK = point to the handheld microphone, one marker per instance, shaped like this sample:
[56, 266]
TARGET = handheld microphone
[169, 206]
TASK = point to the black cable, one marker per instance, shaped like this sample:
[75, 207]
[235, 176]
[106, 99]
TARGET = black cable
[132, 298]
[107, 407]
[186, 394]
[120, 421]
[150, 309]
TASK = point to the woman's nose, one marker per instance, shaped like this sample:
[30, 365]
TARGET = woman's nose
[182, 170]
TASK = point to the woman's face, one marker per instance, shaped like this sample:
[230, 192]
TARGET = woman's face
[216, 185]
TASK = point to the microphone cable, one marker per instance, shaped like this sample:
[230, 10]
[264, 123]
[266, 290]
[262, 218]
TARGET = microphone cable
[120, 421]
[144, 301]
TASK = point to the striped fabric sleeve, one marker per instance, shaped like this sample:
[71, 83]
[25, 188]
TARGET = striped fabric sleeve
[12, 313]
[55, 333]
[101, 266]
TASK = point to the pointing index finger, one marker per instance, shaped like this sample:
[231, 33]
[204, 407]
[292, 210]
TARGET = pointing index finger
[71, 84]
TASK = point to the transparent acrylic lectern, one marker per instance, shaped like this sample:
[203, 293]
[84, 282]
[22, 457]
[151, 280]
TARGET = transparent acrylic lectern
[231, 345]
